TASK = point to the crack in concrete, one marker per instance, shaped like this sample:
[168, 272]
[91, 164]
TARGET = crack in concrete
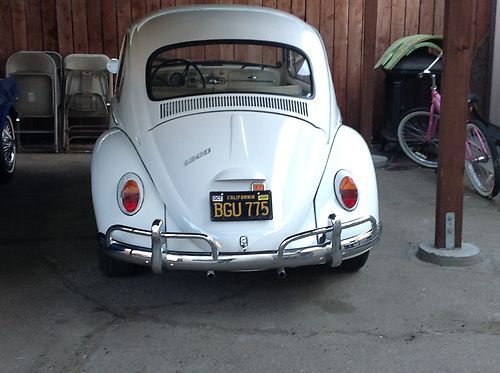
[90, 343]
[68, 284]
[133, 312]
[408, 336]
[138, 315]
[234, 295]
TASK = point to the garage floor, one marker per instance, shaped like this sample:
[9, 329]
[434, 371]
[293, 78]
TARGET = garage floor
[398, 314]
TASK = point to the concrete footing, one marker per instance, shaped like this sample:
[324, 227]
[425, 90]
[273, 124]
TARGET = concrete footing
[379, 161]
[466, 255]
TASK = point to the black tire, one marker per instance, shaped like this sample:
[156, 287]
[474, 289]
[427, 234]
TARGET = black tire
[411, 138]
[111, 267]
[7, 151]
[354, 264]
[482, 165]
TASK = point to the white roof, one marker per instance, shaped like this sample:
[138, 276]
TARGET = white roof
[215, 22]
[225, 22]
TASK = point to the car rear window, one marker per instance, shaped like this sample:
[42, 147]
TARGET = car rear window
[228, 67]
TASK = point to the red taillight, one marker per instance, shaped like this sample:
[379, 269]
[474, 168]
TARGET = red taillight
[130, 193]
[346, 190]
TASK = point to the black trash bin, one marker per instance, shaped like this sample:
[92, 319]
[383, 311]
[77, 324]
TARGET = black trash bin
[404, 90]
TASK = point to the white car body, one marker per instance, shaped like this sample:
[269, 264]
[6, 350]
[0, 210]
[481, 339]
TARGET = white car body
[181, 146]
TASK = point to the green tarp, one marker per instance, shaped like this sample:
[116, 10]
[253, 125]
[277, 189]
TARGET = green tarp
[405, 46]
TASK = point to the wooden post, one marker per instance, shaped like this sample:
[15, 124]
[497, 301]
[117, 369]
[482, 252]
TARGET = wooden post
[368, 73]
[458, 46]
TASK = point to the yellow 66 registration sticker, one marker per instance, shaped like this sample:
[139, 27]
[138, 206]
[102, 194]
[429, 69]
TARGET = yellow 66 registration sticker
[236, 206]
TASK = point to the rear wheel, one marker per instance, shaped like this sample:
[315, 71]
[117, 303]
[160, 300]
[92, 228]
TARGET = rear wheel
[412, 131]
[482, 165]
[354, 264]
[114, 268]
[8, 150]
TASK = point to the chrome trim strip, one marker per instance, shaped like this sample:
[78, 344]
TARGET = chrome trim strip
[214, 245]
[158, 257]
[315, 232]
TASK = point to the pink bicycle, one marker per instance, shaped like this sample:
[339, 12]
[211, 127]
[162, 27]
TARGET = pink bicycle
[418, 138]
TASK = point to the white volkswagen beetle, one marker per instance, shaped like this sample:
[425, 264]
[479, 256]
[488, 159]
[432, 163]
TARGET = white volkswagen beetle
[226, 150]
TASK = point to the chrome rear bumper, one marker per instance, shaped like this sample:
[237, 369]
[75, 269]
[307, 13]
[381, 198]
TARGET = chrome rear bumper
[326, 251]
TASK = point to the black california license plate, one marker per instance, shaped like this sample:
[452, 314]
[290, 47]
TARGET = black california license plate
[237, 206]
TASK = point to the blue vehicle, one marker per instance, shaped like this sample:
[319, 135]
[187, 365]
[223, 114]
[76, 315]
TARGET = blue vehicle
[8, 114]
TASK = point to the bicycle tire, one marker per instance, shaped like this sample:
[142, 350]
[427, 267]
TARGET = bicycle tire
[411, 138]
[482, 170]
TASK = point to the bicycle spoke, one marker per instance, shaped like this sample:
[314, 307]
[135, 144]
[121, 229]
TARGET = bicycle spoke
[478, 152]
[414, 131]
[413, 136]
[415, 141]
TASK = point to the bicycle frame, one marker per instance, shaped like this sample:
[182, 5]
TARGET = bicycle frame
[482, 147]
[435, 109]
[433, 123]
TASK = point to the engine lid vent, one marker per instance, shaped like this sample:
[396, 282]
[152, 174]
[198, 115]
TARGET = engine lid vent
[191, 105]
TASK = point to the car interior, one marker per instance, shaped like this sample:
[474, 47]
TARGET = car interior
[187, 71]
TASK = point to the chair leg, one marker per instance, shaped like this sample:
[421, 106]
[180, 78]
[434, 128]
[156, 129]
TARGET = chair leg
[56, 130]
[65, 131]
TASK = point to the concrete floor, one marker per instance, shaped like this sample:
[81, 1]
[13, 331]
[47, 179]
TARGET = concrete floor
[398, 314]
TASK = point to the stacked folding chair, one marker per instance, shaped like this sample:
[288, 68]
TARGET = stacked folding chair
[36, 74]
[88, 91]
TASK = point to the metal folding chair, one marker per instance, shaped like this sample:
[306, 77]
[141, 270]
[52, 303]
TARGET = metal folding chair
[39, 96]
[59, 67]
[88, 90]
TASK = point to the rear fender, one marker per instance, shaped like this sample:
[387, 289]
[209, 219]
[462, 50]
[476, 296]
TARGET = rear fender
[114, 156]
[349, 152]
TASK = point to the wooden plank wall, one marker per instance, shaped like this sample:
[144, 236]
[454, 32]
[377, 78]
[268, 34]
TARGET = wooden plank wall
[97, 26]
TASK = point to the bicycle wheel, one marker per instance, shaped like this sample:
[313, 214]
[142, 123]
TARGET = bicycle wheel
[412, 131]
[482, 165]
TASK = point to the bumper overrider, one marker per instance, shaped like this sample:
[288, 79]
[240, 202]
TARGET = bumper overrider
[330, 249]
